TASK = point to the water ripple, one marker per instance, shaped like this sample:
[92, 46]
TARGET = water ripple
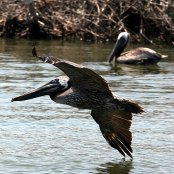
[39, 136]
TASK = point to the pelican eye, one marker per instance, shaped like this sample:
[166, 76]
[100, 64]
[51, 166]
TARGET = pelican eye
[55, 81]
[63, 83]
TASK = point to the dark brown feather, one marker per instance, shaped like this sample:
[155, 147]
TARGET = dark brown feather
[128, 105]
[115, 125]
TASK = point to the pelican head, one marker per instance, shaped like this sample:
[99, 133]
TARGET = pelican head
[120, 44]
[52, 88]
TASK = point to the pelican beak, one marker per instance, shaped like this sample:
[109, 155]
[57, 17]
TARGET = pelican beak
[117, 49]
[119, 46]
[51, 88]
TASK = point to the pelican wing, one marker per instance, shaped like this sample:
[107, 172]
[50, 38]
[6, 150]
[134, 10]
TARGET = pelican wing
[80, 76]
[115, 125]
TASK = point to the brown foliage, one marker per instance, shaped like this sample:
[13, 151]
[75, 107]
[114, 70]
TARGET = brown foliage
[88, 20]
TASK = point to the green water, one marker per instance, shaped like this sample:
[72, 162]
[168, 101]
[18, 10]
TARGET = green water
[40, 136]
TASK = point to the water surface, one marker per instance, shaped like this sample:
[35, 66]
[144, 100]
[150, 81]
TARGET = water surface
[40, 136]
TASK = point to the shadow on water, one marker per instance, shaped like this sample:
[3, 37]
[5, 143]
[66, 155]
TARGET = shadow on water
[123, 167]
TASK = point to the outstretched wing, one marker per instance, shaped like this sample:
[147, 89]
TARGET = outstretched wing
[115, 125]
[81, 77]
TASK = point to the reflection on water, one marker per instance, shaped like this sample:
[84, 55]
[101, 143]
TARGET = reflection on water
[115, 168]
[121, 69]
[40, 136]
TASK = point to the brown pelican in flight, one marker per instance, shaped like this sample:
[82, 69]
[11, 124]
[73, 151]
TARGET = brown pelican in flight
[85, 89]
[138, 56]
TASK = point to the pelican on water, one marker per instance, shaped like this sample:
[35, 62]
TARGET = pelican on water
[85, 89]
[139, 56]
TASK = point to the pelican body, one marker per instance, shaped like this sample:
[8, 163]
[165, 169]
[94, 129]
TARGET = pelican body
[138, 56]
[85, 89]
